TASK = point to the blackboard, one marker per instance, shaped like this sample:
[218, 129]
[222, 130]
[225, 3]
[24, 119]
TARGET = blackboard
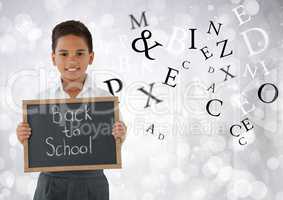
[71, 134]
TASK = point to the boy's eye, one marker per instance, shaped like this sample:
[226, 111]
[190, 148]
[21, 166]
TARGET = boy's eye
[80, 53]
[63, 54]
[67, 54]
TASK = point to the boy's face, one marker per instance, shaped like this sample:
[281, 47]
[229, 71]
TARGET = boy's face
[72, 57]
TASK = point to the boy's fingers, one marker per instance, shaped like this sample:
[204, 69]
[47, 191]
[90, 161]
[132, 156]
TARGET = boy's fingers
[24, 137]
[24, 133]
[119, 129]
[24, 124]
[24, 129]
[23, 140]
[20, 126]
[116, 133]
[119, 137]
[119, 124]
[115, 125]
[119, 134]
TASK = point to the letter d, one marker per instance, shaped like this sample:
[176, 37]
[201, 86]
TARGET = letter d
[253, 51]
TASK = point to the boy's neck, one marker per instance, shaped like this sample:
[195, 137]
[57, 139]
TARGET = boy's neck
[73, 87]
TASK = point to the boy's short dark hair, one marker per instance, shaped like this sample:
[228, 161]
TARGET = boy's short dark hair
[74, 28]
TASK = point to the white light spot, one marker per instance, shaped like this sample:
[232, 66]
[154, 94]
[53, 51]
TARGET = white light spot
[54, 5]
[6, 25]
[242, 188]
[182, 19]
[7, 179]
[183, 150]
[259, 190]
[273, 163]
[280, 158]
[31, 187]
[148, 196]
[107, 20]
[199, 193]
[235, 1]
[5, 193]
[212, 166]
[210, 7]
[154, 21]
[8, 44]
[225, 173]
[177, 176]
[150, 182]
[259, 113]
[214, 144]
[13, 139]
[2, 163]
[13, 153]
[229, 33]
[251, 6]
[279, 196]
[23, 23]
[5, 122]
[21, 184]
[34, 34]
[224, 19]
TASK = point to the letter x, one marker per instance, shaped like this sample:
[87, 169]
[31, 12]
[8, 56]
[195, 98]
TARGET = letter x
[149, 95]
[227, 73]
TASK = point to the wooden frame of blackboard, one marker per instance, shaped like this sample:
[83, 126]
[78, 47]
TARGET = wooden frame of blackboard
[117, 165]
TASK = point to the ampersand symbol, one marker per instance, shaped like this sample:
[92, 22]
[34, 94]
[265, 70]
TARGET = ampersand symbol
[146, 34]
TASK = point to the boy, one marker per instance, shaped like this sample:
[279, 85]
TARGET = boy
[72, 52]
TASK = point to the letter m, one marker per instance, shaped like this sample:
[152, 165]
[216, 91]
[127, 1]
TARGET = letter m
[139, 23]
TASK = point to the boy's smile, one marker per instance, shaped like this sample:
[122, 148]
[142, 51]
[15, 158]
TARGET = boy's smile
[72, 57]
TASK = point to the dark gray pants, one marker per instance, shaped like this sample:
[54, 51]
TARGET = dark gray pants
[50, 187]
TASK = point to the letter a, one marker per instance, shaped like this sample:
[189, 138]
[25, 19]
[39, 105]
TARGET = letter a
[150, 128]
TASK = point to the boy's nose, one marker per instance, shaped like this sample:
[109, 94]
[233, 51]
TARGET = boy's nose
[72, 62]
[72, 58]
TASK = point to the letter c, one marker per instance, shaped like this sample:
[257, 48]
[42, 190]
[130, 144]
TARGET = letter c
[242, 143]
[231, 130]
[208, 105]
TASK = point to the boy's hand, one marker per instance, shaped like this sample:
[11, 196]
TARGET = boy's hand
[119, 130]
[23, 132]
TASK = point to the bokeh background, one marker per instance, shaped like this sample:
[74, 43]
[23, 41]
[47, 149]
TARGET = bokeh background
[198, 159]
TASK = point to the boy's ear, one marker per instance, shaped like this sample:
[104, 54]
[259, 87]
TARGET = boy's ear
[53, 58]
[91, 58]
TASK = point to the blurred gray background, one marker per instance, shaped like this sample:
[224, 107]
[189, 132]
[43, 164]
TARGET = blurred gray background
[198, 158]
